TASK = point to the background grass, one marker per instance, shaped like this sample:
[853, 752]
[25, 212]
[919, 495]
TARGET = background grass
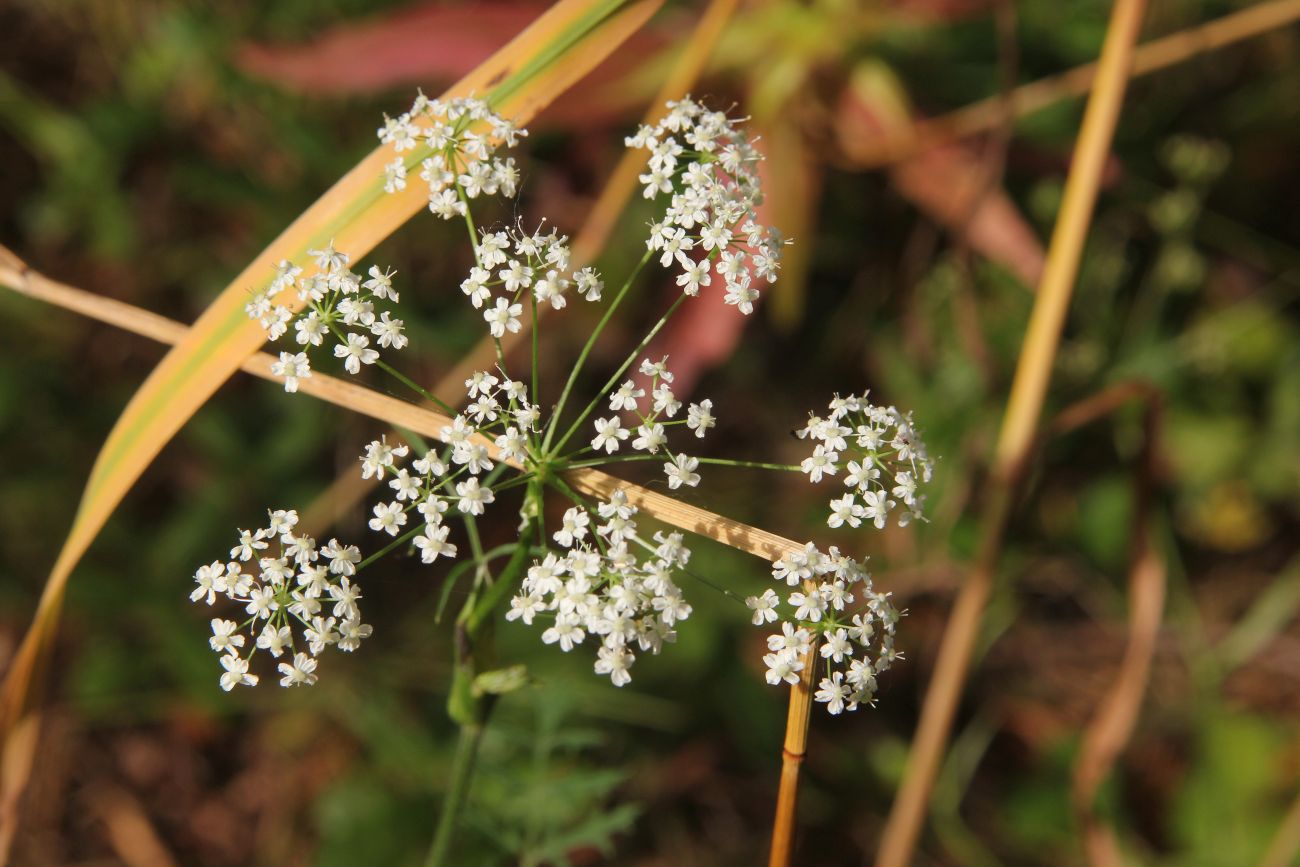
[133, 149]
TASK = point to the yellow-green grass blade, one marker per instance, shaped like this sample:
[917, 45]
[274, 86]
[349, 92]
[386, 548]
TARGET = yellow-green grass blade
[549, 56]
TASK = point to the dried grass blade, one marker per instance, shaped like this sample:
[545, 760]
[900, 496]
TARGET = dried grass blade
[1113, 724]
[564, 44]
[398, 413]
[348, 489]
[1150, 57]
[1015, 440]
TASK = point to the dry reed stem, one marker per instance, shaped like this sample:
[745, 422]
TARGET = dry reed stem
[349, 488]
[1029, 98]
[792, 755]
[752, 540]
[546, 58]
[1113, 724]
[1285, 845]
[1015, 440]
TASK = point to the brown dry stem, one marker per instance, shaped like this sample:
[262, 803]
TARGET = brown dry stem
[349, 488]
[792, 754]
[1153, 56]
[1015, 441]
[761, 543]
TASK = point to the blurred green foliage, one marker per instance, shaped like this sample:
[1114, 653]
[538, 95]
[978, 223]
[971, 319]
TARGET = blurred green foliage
[141, 164]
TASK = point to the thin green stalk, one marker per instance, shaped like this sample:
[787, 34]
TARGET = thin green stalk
[586, 350]
[721, 462]
[600, 394]
[532, 303]
[414, 386]
[462, 773]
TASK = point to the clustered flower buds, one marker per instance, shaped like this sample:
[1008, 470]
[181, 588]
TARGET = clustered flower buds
[882, 455]
[703, 160]
[511, 263]
[299, 589]
[336, 303]
[600, 588]
[836, 609]
[460, 137]
[650, 430]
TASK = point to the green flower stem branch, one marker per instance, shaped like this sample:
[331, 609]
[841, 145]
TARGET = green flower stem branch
[16, 275]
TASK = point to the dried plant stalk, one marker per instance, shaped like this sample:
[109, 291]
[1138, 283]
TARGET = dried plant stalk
[557, 49]
[349, 488]
[1016, 437]
[1113, 724]
[792, 755]
[1153, 56]
[400, 413]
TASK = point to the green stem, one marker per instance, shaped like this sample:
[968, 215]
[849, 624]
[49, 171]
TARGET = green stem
[721, 462]
[532, 303]
[586, 350]
[462, 772]
[618, 374]
[414, 386]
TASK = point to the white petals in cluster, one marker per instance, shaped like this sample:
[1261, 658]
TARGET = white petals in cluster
[882, 458]
[829, 604]
[301, 600]
[511, 262]
[460, 137]
[653, 415]
[600, 591]
[703, 160]
[336, 304]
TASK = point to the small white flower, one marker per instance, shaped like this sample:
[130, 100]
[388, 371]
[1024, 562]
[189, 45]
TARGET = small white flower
[626, 396]
[389, 518]
[389, 331]
[699, 417]
[292, 367]
[300, 673]
[503, 317]
[609, 433]
[833, 692]
[682, 472]
[764, 607]
[473, 496]
[695, 275]
[236, 673]
[433, 544]
[573, 528]
[783, 666]
[355, 353]
[650, 438]
[224, 635]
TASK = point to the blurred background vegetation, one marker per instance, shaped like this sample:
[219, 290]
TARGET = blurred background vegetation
[151, 149]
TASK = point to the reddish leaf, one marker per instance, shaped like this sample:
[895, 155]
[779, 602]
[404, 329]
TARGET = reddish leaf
[415, 45]
[950, 184]
[430, 43]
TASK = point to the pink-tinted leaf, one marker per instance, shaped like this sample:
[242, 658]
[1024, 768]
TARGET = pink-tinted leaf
[950, 184]
[423, 43]
[430, 43]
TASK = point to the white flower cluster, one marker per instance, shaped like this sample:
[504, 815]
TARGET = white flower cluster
[882, 455]
[599, 588]
[513, 262]
[855, 645]
[299, 588]
[462, 134]
[704, 161]
[650, 431]
[339, 304]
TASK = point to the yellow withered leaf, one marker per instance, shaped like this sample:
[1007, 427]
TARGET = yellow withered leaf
[559, 48]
